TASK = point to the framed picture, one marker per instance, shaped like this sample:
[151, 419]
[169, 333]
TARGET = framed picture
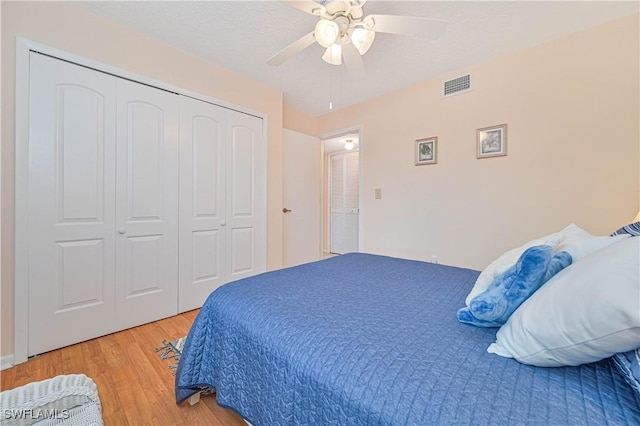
[492, 141]
[427, 151]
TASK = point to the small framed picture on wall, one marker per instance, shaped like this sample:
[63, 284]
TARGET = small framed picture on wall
[492, 141]
[427, 151]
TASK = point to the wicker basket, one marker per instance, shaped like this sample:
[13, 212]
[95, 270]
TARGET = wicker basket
[62, 400]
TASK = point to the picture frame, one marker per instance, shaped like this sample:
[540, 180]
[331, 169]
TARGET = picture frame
[426, 151]
[492, 141]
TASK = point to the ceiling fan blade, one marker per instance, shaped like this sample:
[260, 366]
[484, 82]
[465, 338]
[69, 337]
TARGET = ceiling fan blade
[408, 25]
[308, 6]
[291, 50]
[353, 61]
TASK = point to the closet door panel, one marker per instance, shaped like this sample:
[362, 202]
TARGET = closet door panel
[202, 202]
[71, 204]
[147, 209]
[245, 248]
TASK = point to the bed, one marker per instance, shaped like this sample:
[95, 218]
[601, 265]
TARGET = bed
[363, 339]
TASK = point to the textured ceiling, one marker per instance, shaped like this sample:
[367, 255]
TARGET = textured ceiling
[242, 35]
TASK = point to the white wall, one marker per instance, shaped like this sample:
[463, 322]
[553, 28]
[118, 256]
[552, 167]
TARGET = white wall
[573, 115]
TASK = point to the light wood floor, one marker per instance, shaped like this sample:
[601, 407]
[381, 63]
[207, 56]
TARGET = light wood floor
[135, 385]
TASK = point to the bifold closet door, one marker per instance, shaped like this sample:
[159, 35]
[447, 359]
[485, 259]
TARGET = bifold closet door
[202, 201]
[103, 204]
[72, 137]
[221, 199]
[246, 200]
[146, 204]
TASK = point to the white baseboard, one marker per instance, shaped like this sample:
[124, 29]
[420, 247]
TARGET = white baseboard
[6, 361]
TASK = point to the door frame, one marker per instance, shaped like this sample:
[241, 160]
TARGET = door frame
[24, 47]
[359, 129]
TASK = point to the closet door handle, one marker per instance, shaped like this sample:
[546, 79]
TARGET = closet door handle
[223, 224]
[122, 230]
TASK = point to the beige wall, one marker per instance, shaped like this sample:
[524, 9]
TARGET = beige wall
[293, 119]
[572, 111]
[70, 28]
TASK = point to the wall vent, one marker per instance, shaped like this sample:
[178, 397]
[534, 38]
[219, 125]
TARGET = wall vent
[456, 86]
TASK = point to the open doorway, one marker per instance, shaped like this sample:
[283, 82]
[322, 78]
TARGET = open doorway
[341, 188]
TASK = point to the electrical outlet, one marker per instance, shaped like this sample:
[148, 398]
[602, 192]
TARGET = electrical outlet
[378, 193]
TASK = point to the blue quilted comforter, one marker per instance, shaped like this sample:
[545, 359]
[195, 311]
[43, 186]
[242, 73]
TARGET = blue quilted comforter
[370, 340]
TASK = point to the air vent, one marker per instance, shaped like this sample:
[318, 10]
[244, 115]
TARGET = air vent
[456, 86]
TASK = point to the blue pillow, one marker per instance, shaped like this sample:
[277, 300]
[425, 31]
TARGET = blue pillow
[633, 229]
[629, 365]
[494, 306]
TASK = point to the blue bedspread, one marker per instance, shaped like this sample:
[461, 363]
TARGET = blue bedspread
[370, 340]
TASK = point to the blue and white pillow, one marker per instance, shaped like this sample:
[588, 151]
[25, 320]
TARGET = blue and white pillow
[629, 365]
[632, 229]
[494, 306]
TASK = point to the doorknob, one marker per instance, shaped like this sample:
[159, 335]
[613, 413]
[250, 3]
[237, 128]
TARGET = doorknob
[122, 230]
[285, 210]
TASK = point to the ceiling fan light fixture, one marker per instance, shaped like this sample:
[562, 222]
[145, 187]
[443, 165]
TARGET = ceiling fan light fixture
[362, 39]
[333, 54]
[326, 32]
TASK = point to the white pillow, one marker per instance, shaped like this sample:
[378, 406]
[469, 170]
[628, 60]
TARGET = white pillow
[506, 261]
[572, 239]
[579, 243]
[589, 311]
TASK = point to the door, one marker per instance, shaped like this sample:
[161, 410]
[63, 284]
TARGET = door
[103, 210]
[245, 192]
[71, 218]
[344, 178]
[147, 204]
[302, 193]
[222, 199]
[202, 201]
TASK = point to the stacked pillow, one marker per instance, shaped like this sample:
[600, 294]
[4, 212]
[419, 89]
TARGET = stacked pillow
[572, 239]
[632, 229]
[494, 306]
[629, 362]
[506, 261]
[587, 312]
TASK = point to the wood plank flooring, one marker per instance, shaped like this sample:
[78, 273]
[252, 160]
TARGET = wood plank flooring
[135, 385]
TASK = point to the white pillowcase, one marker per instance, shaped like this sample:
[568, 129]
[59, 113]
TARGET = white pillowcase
[572, 239]
[506, 261]
[589, 311]
[579, 243]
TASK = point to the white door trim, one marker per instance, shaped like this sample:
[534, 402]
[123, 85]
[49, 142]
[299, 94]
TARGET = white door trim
[359, 129]
[23, 49]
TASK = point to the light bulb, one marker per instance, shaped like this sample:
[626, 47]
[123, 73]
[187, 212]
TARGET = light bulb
[326, 32]
[362, 39]
[333, 55]
[349, 145]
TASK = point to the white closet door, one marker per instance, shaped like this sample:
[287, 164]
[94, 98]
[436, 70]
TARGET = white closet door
[245, 174]
[202, 201]
[344, 175]
[147, 208]
[71, 204]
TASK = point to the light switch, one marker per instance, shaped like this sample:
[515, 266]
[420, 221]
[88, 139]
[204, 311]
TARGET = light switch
[378, 193]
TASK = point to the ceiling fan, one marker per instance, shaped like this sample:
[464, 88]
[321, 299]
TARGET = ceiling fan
[347, 34]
